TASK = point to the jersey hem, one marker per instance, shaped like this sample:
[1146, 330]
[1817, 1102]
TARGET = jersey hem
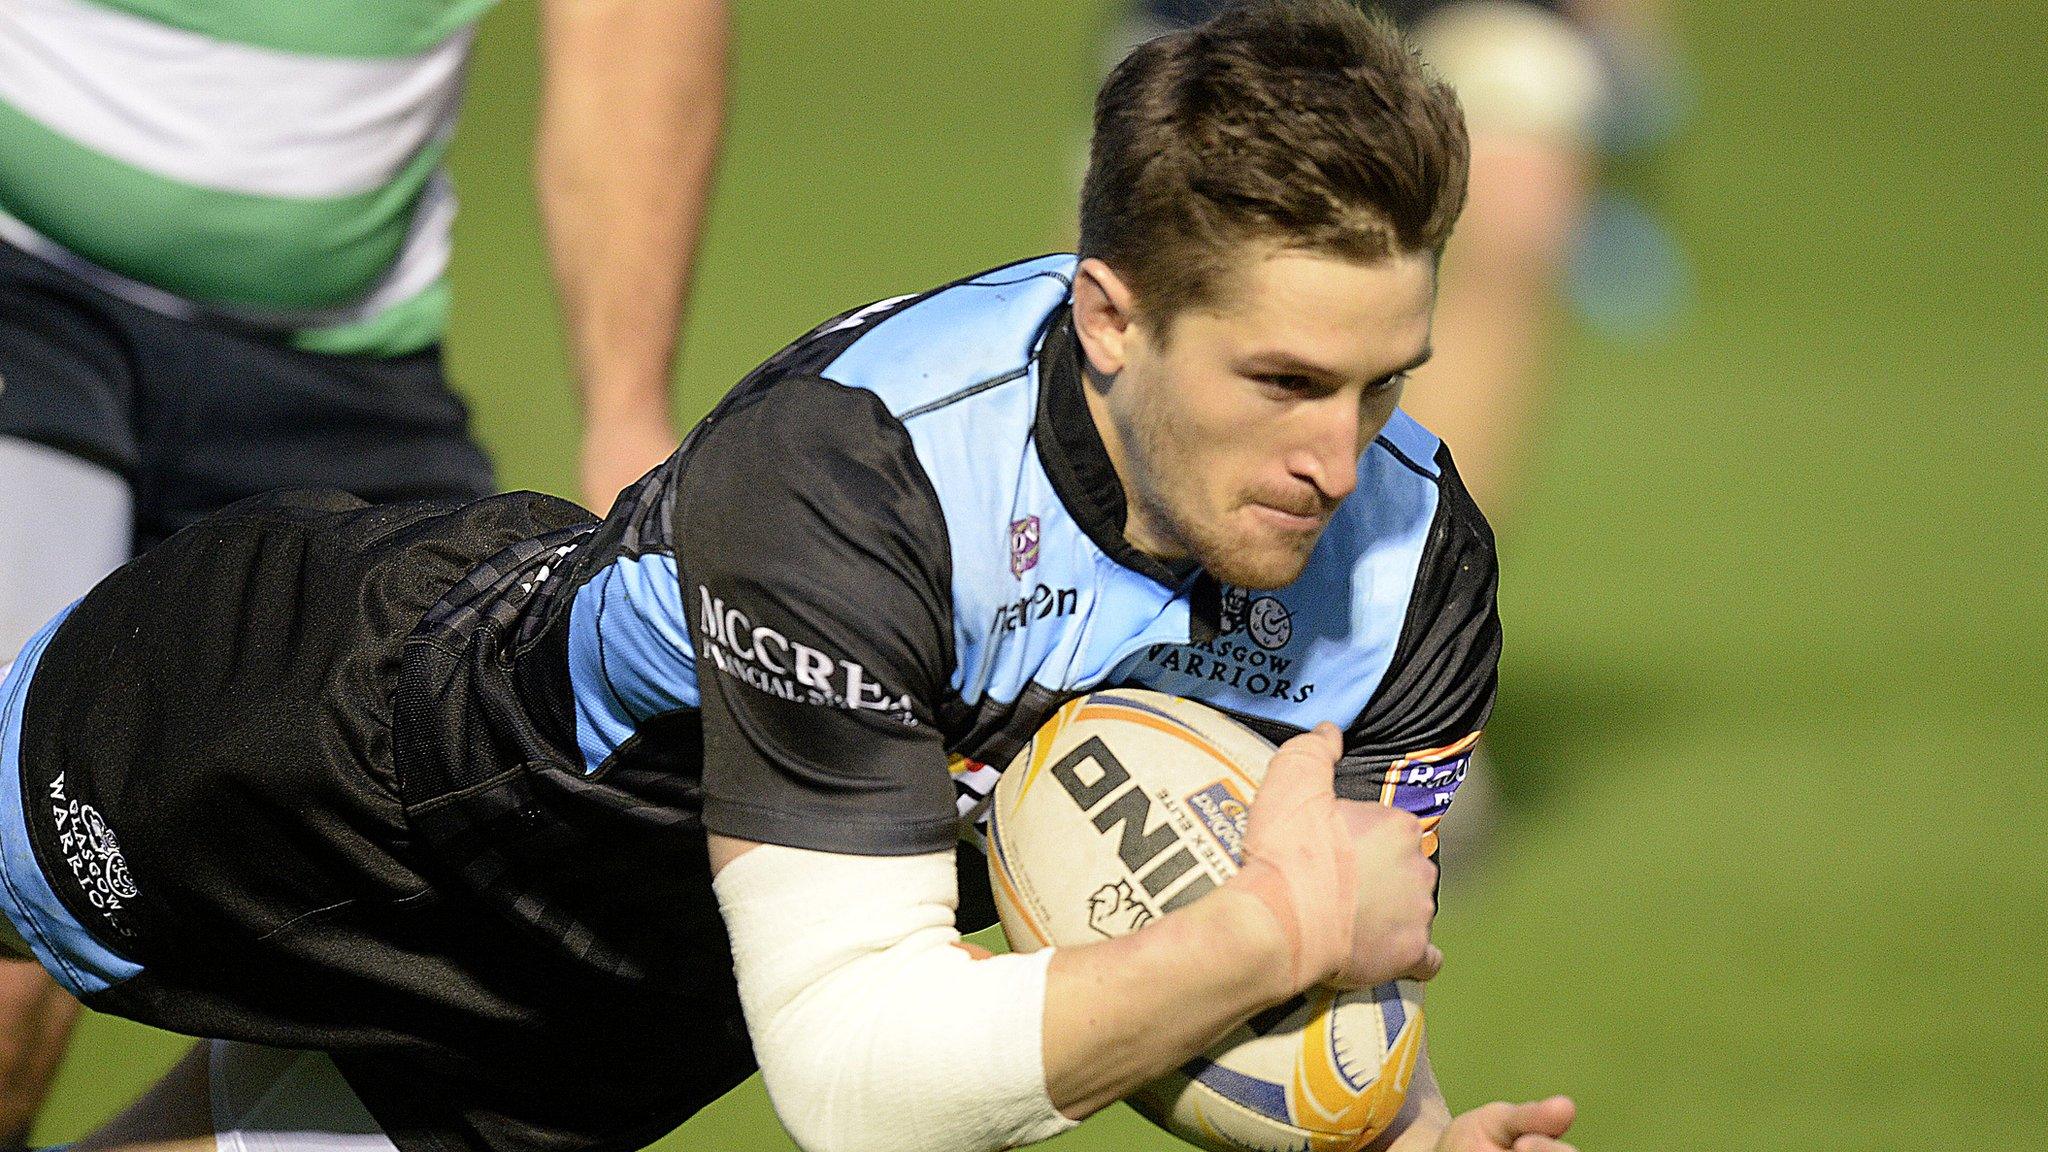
[829, 832]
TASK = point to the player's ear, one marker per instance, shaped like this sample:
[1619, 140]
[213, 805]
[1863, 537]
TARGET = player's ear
[1103, 315]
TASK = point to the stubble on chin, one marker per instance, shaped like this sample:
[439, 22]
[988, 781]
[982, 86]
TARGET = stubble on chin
[1257, 565]
[1173, 505]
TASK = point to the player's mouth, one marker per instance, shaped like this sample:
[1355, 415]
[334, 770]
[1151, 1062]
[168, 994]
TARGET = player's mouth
[1291, 519]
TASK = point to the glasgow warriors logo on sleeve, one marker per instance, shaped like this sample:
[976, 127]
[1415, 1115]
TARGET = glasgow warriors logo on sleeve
[92, 854]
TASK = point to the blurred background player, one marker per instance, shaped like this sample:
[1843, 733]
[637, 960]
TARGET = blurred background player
[224, 232]
[1553, 91]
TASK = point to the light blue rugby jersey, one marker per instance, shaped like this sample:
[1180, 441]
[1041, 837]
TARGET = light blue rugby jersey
[896, 549]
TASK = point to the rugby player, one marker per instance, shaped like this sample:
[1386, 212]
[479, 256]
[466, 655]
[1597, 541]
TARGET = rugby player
[491, 826]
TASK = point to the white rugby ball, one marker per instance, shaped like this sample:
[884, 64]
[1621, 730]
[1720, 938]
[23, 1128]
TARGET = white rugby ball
[1129, 804]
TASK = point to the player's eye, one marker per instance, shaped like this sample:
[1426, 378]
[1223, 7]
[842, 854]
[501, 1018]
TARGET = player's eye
[1393, 380]
[1290, 385]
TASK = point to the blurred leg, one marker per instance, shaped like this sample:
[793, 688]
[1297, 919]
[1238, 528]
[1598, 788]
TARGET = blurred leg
[1483, 388]
[64, 523]
[226, 1096]
[175, 1115]
[1533, 89]
[35, 1022]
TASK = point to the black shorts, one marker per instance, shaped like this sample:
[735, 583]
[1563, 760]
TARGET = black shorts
[219, 715]
[196, 417]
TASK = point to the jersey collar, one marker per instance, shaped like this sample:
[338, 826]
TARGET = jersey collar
[1074, 458]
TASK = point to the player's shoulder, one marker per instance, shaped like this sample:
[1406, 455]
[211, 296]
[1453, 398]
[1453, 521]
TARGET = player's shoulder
[1410, 523]
[1434, 555]
[937, 383]
[930, 352]
[1414, 526]
[1408, 471]
[853, 382]
[918, 353]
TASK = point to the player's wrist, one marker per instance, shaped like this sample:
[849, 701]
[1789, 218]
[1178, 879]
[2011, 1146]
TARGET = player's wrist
[1256, 915]
[1318, 953]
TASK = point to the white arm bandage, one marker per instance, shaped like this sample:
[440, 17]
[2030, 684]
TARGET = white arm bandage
[873, 1030]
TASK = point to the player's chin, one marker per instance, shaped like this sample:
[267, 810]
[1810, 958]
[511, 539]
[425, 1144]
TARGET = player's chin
[1263, 558]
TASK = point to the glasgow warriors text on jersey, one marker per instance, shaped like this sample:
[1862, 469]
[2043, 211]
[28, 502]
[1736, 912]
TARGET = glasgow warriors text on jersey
[827, 621]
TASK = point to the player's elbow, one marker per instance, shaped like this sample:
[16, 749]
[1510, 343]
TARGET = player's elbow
[818, 1077]
[873, 1030]
[916, 1049]
[825, 1110]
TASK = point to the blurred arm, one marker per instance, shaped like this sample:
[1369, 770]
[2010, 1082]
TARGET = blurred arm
[1426, 1123]
[632, 108]
[1424, 1115]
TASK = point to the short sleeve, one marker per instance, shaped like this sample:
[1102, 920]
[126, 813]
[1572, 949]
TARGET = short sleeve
[815, 572]
[1411, 743]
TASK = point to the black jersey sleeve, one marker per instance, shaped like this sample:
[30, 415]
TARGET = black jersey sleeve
[816, 577]
[1439, 688]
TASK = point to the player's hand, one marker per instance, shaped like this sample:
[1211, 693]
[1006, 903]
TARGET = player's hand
[1348, 882]
[1503, 1127]
[619, 449]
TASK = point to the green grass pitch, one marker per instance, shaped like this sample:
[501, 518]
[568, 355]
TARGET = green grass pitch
[1774, 873]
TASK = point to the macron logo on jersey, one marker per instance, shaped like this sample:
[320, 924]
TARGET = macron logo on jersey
[767, 661]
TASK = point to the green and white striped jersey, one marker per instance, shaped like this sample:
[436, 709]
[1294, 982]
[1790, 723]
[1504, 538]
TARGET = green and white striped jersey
[277, 163]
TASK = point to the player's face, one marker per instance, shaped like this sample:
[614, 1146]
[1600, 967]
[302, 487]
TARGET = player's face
[1238, 429]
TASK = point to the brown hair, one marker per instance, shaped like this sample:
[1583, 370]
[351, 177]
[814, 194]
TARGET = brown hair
[1304, 123]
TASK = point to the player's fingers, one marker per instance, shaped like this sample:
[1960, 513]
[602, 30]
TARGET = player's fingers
[1534, 1143]
[1503, 1123]
[1548, 1117]
[1432, 962]
[1304, 765]
[1489, 1121]
[1361, 817]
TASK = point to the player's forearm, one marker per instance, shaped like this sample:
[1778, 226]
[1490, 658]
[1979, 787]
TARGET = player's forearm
[633, 105]
[1423, 1118]
[1123, 1012]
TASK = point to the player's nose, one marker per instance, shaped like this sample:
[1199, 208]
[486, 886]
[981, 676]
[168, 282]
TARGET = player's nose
[1329, 458]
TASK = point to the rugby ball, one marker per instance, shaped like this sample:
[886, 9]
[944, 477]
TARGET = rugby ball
[1128, 804]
